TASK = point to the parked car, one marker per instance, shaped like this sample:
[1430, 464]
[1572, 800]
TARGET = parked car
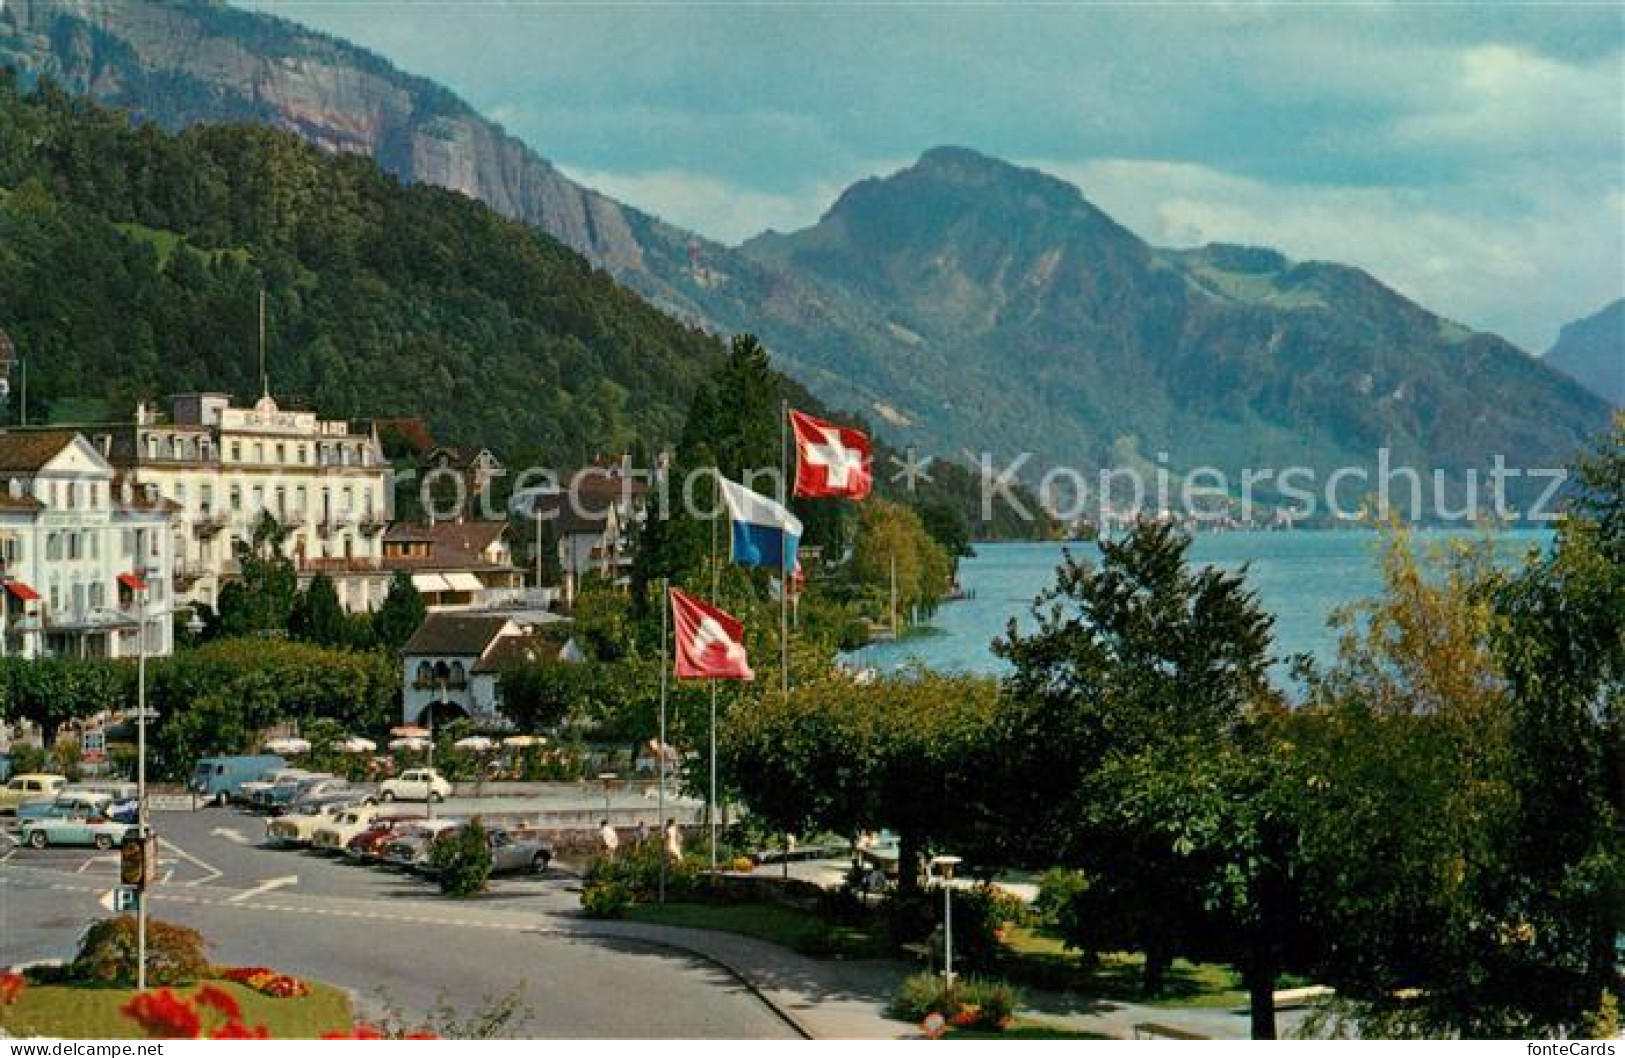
[334, 834]
[282, 790]
[248, 788]
[415, 784]
[299, 826]
[283, 796]
[368, 846]
[72, 828]
[409, 848]
[219, 779]
[31, 786]
[512, 852]
[90, 805]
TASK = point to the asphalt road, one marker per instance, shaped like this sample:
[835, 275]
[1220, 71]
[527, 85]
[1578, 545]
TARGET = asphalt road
[386, 936]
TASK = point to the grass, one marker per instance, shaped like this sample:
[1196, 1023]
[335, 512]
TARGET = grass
[801, 931]
[91, 1013]
[1044, 961]
[1024, 1029]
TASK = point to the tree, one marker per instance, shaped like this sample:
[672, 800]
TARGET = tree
[891, 536]
[401, 613]
[261, 600]
[317, 617]
[1130, 709]
[901, 752]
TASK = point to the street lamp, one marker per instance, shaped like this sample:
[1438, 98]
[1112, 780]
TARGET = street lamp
[141, 774]
[606, 778]
[945, 870]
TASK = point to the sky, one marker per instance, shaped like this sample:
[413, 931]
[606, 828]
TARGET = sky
[1472, 155]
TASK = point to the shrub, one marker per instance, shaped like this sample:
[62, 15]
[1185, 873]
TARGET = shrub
[910, 917]
[25, 758]
[1058, 890]
[266, 982]
[605, 899]
[980, 915]
[973, 1003]
[107, 954]
[462, 860]
[637, 869]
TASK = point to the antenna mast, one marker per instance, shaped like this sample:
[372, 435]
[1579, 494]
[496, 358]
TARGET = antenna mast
[265, 379]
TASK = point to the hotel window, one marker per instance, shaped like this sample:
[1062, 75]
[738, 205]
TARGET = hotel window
[53, 546]
[281, 454]
[259, 452]
[177, 448]
[72, 488]
[299, 499]
[302, 454]
[98, 596]
[152, 446]
[281, 502]
[56, 596]
[93, 545]
[180, 494]
[259, 499]
[73, 546]
[236, 497]
[206, 500]
[236, 452]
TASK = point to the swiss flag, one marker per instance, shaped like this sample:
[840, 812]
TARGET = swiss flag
[710, 643]
[830, 460]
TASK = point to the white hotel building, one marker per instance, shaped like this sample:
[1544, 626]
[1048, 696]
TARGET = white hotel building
[79, 542]
[222, 465]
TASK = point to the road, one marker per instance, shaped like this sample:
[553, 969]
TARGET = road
[388, 937]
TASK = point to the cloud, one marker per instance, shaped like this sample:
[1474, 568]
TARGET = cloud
[1518, 255]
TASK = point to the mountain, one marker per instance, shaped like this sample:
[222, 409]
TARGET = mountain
[131, 261]
[1022, 316]
[1592, 351]
[960, 304]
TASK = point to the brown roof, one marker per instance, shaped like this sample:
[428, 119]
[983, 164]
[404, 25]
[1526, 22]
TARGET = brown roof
[404, 434]
[512, 649]
[28, 450]
[595, 483]
[141, 497]
[452, 544]
[455, 635]
[587, 515]
[8, 502]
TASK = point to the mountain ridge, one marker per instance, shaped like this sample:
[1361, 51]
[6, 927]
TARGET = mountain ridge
[1591, 350]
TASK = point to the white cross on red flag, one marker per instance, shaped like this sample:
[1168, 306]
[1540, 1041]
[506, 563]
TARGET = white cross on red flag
[710, 643]
[831, 460]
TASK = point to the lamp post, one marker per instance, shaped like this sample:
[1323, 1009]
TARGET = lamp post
[428, 795]
[141, 776]
[606, 778]
[945, 870]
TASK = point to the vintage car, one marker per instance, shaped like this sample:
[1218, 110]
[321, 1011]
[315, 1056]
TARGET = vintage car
[415, 784]
[277, 797]
[334, 833]
[244, 793]
[72, 827]
[512, 852]
[33, 786]
[409, 847]
[368, 846]
[299, 826]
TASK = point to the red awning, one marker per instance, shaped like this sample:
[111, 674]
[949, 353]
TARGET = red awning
[133, 582]
[21, 590]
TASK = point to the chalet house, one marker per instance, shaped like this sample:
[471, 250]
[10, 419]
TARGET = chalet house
[455, 565]
[453, 664]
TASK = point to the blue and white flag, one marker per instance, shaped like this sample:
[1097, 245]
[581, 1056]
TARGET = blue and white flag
[764, 533]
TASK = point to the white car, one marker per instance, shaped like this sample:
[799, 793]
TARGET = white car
[416, 784]
[333, 834]
[299, 826]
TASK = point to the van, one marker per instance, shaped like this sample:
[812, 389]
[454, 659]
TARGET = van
[219, 779]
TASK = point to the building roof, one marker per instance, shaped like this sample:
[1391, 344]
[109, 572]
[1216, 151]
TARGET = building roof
[453, 545]
[587, 515]
[514, 649]
[29, 450]
[455, 635]
[131, 495]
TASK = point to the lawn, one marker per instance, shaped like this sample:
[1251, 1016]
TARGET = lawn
[1041, 960]
[91, 1013]
[798, 930]
[1024, 1029]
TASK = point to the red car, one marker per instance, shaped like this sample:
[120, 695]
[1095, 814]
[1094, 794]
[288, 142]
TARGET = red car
[368, 846]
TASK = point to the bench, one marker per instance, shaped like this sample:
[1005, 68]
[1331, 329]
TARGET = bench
[1151, 1030]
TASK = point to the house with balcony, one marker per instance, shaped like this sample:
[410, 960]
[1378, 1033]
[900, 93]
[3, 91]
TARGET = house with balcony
[88, 552]
[590, 522]
[222, 466]
[456, 565]
[452, 665]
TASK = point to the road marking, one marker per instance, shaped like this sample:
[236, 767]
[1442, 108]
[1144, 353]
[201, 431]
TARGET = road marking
[265, 887]
[234, 836]
[211, 873]
[96, 859]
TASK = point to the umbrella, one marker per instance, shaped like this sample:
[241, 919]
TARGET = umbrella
[288, 746]
[409, 743]
[410, 731]
[521, 741]
[355, 744]
[478, 743]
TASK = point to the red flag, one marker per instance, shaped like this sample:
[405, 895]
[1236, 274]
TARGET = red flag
[830, 460]
[710, 643]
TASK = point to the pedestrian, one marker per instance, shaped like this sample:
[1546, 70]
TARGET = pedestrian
[674, 841]
[610, 839]
[643, 832]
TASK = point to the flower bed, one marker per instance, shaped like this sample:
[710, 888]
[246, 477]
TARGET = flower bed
[266, 982]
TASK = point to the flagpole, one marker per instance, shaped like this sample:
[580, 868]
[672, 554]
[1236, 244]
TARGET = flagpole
[784, 549]
[660, 753]
[711, 808]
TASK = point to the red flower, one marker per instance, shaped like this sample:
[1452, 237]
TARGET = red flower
[163, 1016]
[236, 1030]
[218, 999]
[361, 1031]
[11, 986]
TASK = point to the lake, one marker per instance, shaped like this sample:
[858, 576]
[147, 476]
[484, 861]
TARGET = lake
[1300, 577]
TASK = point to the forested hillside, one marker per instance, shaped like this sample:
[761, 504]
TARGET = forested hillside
[131, 260]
